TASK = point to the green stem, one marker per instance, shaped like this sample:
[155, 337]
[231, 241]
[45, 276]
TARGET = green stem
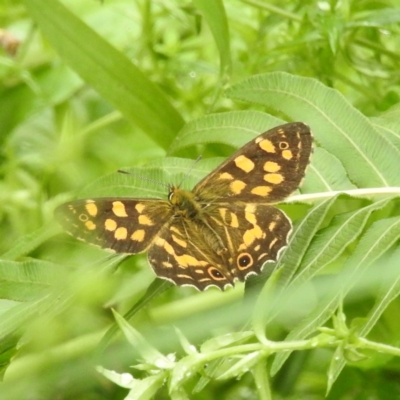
[108, 119]
[378, 48]
[262, 380]
[365, 192]
[273, 9]
[363, 343]
[268, 347]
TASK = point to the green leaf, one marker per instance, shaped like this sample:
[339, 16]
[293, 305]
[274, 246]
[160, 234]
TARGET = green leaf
[341, 129]
[149, 353]
[330, 243]
[186, 345]
[13, 318]
[26, 281]
[325, 174]
[337, 356]
[214, 13]
[179, 394]
[107, 70]
[378, 18]
[8, 348]
[48, 86]
[228, 339]
[389, 289]
[151, 180]
[300, 240]
[140, 389]
[242, 366]
[52, 302]
[324, 249]
[27, 243]
[234, 128]
[288, 264]
[261, 312]
[157, 287]
[372, 245]
[185, 369]
[389, 128]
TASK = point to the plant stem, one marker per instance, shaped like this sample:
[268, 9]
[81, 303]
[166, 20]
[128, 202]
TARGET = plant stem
[273, 9]
[262, 381]
[353, 192]
[363, 343]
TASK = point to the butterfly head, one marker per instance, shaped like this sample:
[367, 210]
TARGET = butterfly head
[183, 201]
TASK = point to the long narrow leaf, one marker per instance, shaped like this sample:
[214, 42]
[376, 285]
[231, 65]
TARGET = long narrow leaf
[331, 243]
[373, 244]
[107, 70]
[389, 290]
[214, 13]
[288, 265]
[30, 242]
[301, 239]
[341, 129]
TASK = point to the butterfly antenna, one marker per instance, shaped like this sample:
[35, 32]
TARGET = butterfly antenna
[143, 178]
[190, 170]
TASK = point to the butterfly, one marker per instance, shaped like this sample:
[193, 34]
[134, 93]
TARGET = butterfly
[222, 231]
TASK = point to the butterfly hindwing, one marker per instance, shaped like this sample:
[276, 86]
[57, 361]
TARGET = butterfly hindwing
[263, 232]
[232, 242]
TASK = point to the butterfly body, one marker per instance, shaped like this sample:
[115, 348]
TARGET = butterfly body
[224, 230]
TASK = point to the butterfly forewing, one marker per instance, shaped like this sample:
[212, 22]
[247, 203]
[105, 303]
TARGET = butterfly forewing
[266, 170]
[119, 224]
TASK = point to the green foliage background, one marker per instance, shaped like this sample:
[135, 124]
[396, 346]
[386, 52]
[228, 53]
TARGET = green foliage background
[90, 87]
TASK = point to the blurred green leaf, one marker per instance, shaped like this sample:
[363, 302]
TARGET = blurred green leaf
[140, 389]
[26, 281]
[214, 13]
[28, 243]
[149, 353]
[107, 70]
[242, 366]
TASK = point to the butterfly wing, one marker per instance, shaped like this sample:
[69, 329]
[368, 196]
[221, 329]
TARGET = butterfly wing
[254, 235]
[182, 254]
[119, 224]
[266, 170]
[218, 249]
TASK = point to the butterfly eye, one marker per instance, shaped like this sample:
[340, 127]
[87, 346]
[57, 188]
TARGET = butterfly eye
[283, 145]
[215, 274]
[244, 261]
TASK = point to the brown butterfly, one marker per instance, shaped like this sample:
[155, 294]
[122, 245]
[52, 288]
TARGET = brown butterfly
[224, 230]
